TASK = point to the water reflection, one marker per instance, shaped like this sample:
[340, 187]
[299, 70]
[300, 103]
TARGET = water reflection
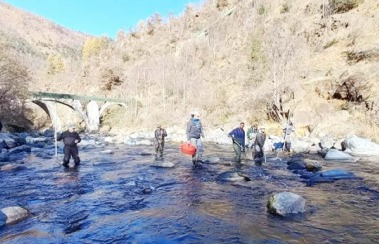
[120, 198]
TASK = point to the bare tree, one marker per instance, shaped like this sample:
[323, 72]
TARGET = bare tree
[14, 79]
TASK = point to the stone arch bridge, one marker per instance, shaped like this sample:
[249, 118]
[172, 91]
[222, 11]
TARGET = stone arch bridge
[95, 107]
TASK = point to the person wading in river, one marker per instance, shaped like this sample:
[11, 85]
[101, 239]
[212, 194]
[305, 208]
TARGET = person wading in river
[160, 135]
[70, 140]
[238, 139]
[194, 132]
[258, 148]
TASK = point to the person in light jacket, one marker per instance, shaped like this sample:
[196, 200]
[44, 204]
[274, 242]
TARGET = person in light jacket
[194, 132]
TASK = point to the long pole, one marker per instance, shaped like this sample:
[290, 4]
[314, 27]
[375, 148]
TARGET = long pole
[55, 134]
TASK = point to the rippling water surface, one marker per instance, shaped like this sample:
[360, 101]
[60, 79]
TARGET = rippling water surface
[122, 198]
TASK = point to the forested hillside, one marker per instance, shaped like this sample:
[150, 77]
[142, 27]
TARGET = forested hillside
[252, 60]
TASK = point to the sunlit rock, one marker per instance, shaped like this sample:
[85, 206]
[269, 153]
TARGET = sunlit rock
[334, 154]
[360, 146]
[15, 214]
[107, 152]
[11, 167]
[211, 160]
[33, 140]
[232, 176]
[285, 203]
[163, 164]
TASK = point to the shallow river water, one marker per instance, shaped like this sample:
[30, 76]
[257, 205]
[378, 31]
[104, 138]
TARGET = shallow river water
[123, 198]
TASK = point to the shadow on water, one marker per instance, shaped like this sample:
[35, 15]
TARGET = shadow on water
[119, 198]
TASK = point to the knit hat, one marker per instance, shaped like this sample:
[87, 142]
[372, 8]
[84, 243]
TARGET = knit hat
[72, 126]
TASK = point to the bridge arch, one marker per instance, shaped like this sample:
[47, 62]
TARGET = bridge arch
[90, 115]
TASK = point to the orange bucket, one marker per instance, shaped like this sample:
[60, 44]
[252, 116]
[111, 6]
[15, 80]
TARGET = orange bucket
[188, 148]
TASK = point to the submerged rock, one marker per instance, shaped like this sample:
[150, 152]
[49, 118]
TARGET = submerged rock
[232, 176]
[285, 203]
[331, 176]
[163, 164]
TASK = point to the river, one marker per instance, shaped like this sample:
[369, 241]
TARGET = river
[123, 198]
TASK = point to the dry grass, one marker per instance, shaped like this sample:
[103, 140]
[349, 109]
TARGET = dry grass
[233, 60]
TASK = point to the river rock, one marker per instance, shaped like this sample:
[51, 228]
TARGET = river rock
[285, 203]
[163, 164]
[23, 148]
[7, 141]
[334, 154]
[330, 176]
[3, 219]
[4, 157]
[360, 146]
[14, 214]
[232, 176]
[211, 160]
[33, 140]
[12, 167]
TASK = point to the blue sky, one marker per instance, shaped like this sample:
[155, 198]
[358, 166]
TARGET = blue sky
[101, 17]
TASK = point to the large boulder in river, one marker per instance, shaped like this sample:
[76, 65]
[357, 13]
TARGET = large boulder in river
[360, 146]
[285, 203]
[14, 214]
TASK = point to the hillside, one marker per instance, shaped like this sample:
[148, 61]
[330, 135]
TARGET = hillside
[231, 60]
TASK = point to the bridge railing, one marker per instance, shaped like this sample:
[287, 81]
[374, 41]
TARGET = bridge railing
[41, 95]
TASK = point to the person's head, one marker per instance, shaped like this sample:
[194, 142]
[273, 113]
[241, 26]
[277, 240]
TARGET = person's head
[158, 126]
[196, 115]
[255, 126]
[72, 127]
[242, 125]
[262, 129]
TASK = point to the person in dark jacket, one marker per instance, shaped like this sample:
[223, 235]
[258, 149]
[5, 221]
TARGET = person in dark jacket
[160, 135]
[194, 132]
[70, 140]
[238, 139]
[258, 148]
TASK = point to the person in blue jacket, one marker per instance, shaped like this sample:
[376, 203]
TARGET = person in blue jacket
[238, 139]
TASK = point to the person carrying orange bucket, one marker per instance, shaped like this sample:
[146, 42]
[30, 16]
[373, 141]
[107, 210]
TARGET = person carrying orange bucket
[194, 132]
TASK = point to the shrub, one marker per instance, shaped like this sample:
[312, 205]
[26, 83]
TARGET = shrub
[93, 46]
[342, 6]
[14, 79]
[262, 10]
[285, 8]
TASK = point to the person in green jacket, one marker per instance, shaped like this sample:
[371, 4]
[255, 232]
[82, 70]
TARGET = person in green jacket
[251, 135]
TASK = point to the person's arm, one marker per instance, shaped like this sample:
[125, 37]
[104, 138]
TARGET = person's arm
[60, 136]
[202, 133]
[77, 138]
[188, 130]
[232, 133]
[164, 134]
[156, 134]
